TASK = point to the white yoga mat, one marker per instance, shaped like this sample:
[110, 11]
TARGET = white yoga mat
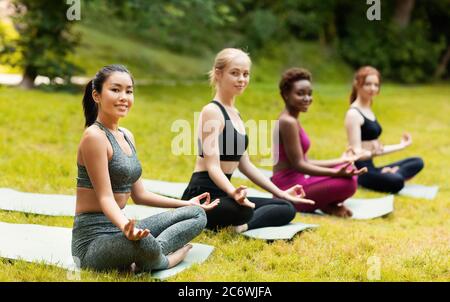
[419, 191]
[59, 205]
[64, 205]
[285, 232]
[198, 254]
[368, 208]
[52, 246]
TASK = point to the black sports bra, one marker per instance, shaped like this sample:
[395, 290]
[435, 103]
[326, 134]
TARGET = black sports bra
[232, 144]
[370, 130]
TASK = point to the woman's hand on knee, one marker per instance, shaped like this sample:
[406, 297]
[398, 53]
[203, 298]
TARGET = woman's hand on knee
[296, 194]
[133, 233]
[207, 205]
[348, 170]
[350, 155]
[391, 170]
[240, 195]
[247, 203]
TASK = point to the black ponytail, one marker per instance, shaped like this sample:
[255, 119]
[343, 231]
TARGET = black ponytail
[90, 107]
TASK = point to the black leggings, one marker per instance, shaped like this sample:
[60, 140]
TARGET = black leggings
[388, 182]
[267, 211]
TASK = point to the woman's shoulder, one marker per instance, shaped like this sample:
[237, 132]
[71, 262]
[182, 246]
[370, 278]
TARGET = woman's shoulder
[93, 134]
[288, 120]
[211, 111]
[353, 114]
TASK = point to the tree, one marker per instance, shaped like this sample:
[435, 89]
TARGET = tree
[403, 11]
[406, 45]
[45, 40]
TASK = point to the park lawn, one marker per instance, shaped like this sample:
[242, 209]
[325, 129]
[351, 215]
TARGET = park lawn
[40, 131]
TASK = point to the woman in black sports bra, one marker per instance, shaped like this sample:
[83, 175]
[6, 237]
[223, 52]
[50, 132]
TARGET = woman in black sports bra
[363, 131]
[222, 145]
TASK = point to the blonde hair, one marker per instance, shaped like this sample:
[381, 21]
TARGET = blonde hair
[223, 58]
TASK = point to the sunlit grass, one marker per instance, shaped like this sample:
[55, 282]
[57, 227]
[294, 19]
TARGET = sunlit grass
[40, 131]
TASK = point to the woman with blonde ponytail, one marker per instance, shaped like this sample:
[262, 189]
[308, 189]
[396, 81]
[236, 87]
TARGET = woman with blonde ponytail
[363, 132]
[222, 149]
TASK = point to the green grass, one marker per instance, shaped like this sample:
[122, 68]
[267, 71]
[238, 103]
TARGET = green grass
[40, 131]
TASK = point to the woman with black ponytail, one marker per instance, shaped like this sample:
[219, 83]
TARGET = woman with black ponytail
[109, 172]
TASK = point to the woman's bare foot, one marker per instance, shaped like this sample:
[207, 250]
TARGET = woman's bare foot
[178, 256]
[338, 210]
[240, 228]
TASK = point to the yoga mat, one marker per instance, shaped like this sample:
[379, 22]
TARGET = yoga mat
[64, 205]
[198, 254]
[419, 191]
[369, 208]
[59, 205]
[52, 246]
[285, 232]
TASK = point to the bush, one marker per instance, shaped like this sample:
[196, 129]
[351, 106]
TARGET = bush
[406, 55]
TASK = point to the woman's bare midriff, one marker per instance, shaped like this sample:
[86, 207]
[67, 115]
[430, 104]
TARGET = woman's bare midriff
[372, 145]
[87, 201]
[228, 167]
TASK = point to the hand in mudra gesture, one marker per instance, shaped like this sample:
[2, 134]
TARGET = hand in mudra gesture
[240, 195]
[207, 205]
[133, 233]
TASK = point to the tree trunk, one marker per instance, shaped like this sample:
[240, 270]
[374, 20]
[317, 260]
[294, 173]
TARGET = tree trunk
[403, 11]
[29, 76]
[443, 64]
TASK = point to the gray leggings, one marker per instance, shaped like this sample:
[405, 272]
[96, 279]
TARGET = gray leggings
[98, 244]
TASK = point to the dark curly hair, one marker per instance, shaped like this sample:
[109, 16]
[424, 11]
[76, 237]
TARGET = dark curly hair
[290, 76]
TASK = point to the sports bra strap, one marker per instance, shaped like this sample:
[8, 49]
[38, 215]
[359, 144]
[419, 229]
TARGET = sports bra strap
[360, 112]
[224, 112]
[357, 109]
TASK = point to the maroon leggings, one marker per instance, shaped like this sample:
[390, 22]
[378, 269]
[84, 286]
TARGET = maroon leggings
[324, 190]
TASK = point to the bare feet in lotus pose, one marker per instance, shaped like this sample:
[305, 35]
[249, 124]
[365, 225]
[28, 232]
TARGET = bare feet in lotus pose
[338, 210]
[179, 255]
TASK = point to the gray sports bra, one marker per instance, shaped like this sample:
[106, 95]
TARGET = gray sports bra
[124, 170]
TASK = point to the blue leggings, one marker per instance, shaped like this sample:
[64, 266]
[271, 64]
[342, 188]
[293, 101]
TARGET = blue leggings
[388, 182]
[100, 245]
